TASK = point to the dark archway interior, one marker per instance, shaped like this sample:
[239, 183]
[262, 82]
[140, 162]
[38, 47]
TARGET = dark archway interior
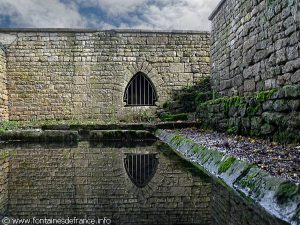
[140, 91]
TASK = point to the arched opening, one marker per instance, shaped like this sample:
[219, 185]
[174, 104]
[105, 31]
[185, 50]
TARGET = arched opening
[141, 168]
[140, 91]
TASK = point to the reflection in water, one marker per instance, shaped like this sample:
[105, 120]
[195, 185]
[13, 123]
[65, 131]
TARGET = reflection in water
[91, 181]
[140, 168]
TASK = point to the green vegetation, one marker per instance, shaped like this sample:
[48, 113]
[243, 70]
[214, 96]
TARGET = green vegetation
[254, 109]
[187, 99]
[4, 154]
[286, 191]
[285, 137]
[196, 149]
[247, 178]
[224, 166]
[173, 117]
[8, 125]
[231, 130]
[177, 139]
[254, 133]
[265, 95]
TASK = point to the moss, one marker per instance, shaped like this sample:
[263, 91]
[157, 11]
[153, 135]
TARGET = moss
[254, 109]
[228, 102]
[265, 95]
[285, 137]
[247, 178]
[4, 154]
[224, 166]
[177, 139]
[286, 191]
[173, 117]
[255, 133]
[8, 125]
[231, 130]
[196, 149]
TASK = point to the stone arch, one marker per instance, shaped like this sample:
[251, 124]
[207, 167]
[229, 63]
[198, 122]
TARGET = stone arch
[149, 71]
[140, 91]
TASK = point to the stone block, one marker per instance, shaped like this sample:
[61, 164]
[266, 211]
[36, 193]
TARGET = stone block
[249, 85]
[280, 106]
[267, 129]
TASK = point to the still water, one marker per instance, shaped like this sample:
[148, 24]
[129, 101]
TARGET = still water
[114, 183]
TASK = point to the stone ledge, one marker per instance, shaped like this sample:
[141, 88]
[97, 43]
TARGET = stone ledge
[277, 196]
[128, 126]
[78, 30]
[37, 135]
[116, 135]
[72, 133]
[216, 10]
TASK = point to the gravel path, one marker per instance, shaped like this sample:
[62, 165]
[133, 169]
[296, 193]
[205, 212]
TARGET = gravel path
[277, 159]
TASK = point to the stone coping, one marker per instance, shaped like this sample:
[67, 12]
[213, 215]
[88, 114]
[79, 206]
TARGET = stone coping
[216, 10]
[65, 133]
[87, 30]
[277, 196]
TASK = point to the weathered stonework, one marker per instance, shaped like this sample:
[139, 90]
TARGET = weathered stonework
[3, 89]
[256, 191]
[254, 46]
[65, 74]
[4, 168]
[274, 114]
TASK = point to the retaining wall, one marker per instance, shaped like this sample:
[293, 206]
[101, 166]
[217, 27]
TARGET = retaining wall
[254, 46]
[274, 114]
[3, 86]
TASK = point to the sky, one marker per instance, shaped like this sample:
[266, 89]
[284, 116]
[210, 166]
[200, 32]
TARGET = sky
[107, 14]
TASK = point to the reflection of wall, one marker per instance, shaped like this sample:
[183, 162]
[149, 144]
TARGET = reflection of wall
[231, 209]
[4, 168]
[93, 181]
[3, 90]
[83, 74]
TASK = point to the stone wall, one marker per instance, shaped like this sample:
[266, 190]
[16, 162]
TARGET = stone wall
[274, 114]
[254, 46]
[65, 74]
[3, 89]
[91, 181]
[229, 208]
[242, 192]
[4, 168]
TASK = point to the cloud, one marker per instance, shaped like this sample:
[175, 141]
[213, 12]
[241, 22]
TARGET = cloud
[108, 14]
[37, 13]
[181, 14]
[114, 7]
[158, 14]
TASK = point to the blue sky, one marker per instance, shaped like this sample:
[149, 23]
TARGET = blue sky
[107, 14]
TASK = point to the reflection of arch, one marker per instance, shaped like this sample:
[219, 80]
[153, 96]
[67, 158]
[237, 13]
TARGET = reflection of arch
[141, 168]
[140, 91]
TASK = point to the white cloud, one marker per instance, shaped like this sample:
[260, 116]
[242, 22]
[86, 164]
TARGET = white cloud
[37, 13]
[178, 14]
[141, 14]
[114, 7]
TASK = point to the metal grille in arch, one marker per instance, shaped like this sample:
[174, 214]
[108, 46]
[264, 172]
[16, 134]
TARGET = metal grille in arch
[141, 168]
[140, 91]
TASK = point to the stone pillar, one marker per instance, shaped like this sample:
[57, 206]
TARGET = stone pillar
[3, 87]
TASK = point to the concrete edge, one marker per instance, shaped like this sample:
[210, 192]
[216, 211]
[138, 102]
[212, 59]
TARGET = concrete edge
[277, 196]
[87, 30]
[216, 10]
